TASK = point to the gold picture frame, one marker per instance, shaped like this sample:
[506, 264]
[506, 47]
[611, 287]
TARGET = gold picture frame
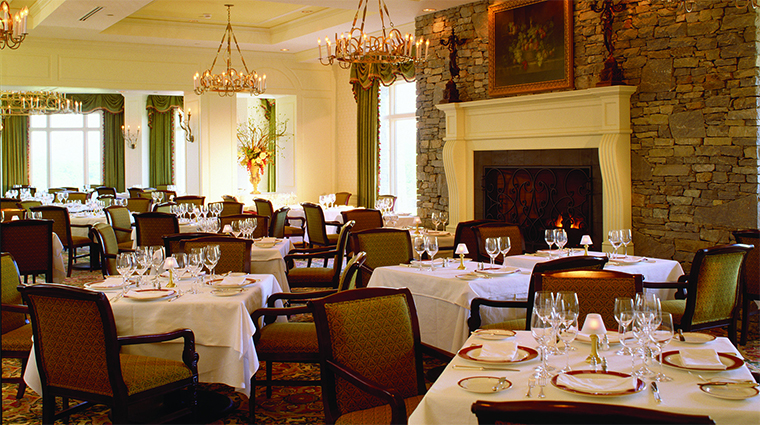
[530, 46]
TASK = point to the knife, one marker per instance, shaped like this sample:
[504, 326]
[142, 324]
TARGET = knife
[680, 335]
[656, 392]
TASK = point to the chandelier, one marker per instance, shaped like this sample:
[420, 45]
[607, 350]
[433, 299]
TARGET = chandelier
[356, 46]
[13, 29]
[230, 81]
[37, 103]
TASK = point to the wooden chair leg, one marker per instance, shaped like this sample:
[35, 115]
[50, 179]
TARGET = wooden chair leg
[71, 262]
[269, 379]
[22, 384]
[746, 303]
[48, 408]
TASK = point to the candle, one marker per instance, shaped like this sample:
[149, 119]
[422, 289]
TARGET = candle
[329, 50]
[427, 45]
[319, 43]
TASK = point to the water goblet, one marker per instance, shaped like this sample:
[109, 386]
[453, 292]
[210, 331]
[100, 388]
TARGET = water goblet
[623, 315]
[125, 265]
[195, 261]
[419, 248]
[540, 329]
[237, 227]
[431, 247]
[434, 218]
[211, 258]
[641, 331]
[560, 238]
[492, 249]
[181, 259]
[549, 238]
[568, 331]
[157, 255]
[505, 244]
[444, 217]
[142, 256]
[613, 236]
[625, 239]
[661, 336]
[628, 341]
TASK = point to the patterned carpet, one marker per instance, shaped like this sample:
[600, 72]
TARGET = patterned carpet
[288, 405]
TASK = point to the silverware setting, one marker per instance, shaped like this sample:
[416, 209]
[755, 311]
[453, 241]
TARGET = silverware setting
[499, 385]
[531, 384]
[541, 385]
[464, 367]
[117, 297]
[680, 335]
[655, 392]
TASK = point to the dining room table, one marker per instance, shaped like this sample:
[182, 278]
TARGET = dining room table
[443, 295]
[218, 316]
[727, 396]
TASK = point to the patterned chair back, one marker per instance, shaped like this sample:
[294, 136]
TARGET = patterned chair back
[235, 253]
[751, 267]
[364, 218]
[229, 207]
[31, 244]
[10, 282]
[29, 204]
[134, 192]
[262, 223]
[384, 247]
[164, 207]
[71, 323]
[119, 219]
[109, 247]
[78, 196]
[341, 198]
[315, 223]
[61, 221]
[348, 277]
[465, 235]
[190, 199]
[153, 226]
[279, 221]
[495, 230]
[10, 213]
[172, 243]
[105, 190]
[263, 207]
[596, 289]
[138, 205]
[386, 351]
[8, 203]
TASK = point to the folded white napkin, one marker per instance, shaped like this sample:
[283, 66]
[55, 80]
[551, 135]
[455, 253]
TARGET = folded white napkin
[232, 281]
[502, 350]
[703, 358]
[268, 240]
[597, 383]
[108, 283]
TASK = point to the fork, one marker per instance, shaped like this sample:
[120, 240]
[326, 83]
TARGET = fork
[541, 385]
[531, 384]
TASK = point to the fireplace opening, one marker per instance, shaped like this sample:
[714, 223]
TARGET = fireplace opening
[539, 190]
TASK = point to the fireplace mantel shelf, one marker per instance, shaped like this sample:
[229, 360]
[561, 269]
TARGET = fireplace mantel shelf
[591, 118]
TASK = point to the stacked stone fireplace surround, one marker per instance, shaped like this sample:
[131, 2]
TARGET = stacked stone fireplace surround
[693, 115]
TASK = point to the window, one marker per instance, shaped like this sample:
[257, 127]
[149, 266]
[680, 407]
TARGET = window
[66, 150]
[398, 144]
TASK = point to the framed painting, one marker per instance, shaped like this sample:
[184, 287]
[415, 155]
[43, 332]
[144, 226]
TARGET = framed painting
[530, 46]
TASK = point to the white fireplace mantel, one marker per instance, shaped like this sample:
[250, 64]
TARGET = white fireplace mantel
[591, 118]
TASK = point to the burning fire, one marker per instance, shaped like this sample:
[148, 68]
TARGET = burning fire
[574, 223]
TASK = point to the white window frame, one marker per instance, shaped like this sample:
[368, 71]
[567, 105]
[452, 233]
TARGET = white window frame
[391, 119]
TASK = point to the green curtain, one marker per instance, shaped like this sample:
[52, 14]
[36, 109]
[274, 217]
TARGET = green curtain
[271, 117]
[15, 151]
[366, 80]
[161, 138]
[112, 106]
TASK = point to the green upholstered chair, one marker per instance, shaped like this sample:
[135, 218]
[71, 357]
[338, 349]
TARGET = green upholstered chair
[750, 276]
[120, 220]
[262, 223]
[17, 332]
[384, 247]
[316, 226]
[371, 355]
[196, 200]
[341, 198]
[134, 192]
[10, 213]
[229, 198]
[579, 262]
[105, 190]
[229, 207]
[495, 230]
[31, 244]
[172, 243]
[108, 246]
[79, 356]
[365, 218]
[78, 196]
[62, 227]
[153, 226]
[263, 207]
[164, 207]
[712, 290]
[464, 234]
[324, 277]
[235, 253]
[138, 204]
[292, 342]
[596, 289]
[278, 222]
[546, 412]
[26, 205]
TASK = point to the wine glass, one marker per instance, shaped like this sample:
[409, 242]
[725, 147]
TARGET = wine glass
[236, 227]
[623, 315]
[195, 260]
[419, 248]
[560, 238]
[211, 258]
[125, 265]
[431, 246]
[157, 255]
[505, 244]
[540, 329]
[625, 239]
[661, 336]
[568, 331]
[142, 257]
[444, 218]
[492, 249]
[549, 238]
[434, 218]
[628, 340]
[614, 237]
[181, 259]
[640, 331]
[543, 303]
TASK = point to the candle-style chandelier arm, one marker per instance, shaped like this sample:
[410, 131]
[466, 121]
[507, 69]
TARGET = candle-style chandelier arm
[12, 27]
[18, 103]
[184, 124]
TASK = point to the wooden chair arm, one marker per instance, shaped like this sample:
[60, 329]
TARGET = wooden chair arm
[189, 356]
[115, 228]
[437, 353]
[301, 219]
[84, 226]
[680, 287]
[394, 399]
[271, 313]
[474, 320]
[333, 223]
[305, 296]
[16, 308]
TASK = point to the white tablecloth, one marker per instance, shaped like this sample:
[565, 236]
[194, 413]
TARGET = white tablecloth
[222, 326]
[84, 219]
[59, 269]
[447, 403]
[443, 301]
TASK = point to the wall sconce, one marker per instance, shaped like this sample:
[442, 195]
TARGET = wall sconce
[185, 125]
[131, 138]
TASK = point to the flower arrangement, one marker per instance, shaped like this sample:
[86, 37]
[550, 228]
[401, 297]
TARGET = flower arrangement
[257, 146]
[531, 42]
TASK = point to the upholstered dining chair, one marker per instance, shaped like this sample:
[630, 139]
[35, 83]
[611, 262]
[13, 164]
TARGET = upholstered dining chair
[229, 207]
[341, 198]
[292, 342]
[79, 356]
[323, 277]
[316, 226]
[78, 196]
[750, 276]
[105, 190]
[371, 369]
[120, 220]
[547, 412]
[495, 230]
[108, 245]
[134, 192]
[235, 253]
[164, 207]
[26, 205]
[262, 223]
[264, 207]
[712, 290]
[278, 222]
[365, 218]
[9, 203]
[384, 247]
[464, 234]
[31, 244]
[17, 332]
[190, 199]
[578, 262]
[152, 226]
[10, 214]
[62, 227]
[596, 289]
[138, 205]
[173, 242]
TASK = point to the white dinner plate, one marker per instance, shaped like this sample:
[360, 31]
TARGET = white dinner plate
[612, 336]
[637, 384]
[493, 334]
[627, 261]
[249, 281]
[695, 338]
[226, 292]
[469, 276]
[150, 294]
[729, 391]
[673, 359]
[472, 353]
[500, 271]
[110, 284]
[484, 384]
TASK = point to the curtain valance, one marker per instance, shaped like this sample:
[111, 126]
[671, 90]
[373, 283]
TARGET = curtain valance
[113, 103]
[364, 75]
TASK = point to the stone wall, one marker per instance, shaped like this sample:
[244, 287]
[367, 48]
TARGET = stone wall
[694, 147]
